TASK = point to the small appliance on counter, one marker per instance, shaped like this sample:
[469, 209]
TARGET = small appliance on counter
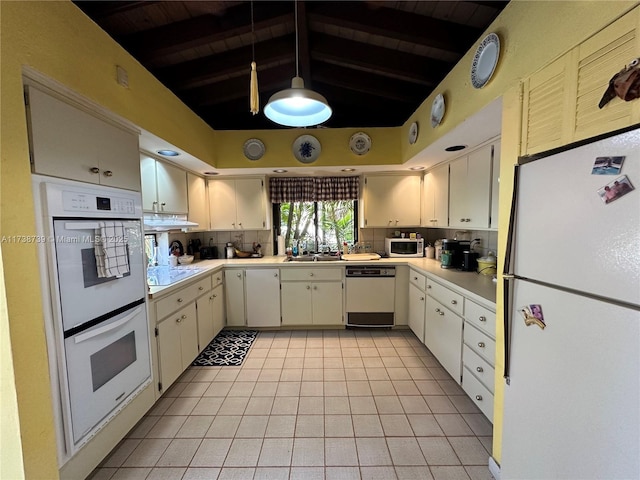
[208, 253]
[404, 247]
[469, 261]
[449, 255]
[231, 251]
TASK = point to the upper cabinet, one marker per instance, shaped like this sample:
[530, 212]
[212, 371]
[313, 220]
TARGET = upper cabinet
[164, 187]
[560, 102]
[392, 201]
[470, 189]
[237, 204]
[68, 142]
[436, 197]
[495, 186]
[198, 204]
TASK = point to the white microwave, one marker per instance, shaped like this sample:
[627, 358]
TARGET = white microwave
[404, 247]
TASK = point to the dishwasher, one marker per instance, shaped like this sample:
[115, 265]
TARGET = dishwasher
[370, 293]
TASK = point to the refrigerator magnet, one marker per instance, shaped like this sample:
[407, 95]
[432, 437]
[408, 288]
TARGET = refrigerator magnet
[616, 189]
[532, 315]
[607, 166]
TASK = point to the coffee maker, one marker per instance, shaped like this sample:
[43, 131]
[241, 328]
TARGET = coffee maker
[450, 253]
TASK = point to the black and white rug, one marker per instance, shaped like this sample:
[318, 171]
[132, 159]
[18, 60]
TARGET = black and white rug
[228, 348]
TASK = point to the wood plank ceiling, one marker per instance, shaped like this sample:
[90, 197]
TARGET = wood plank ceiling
[374, 61]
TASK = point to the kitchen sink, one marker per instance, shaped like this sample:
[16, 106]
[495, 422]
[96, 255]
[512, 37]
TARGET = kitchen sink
[314, 258]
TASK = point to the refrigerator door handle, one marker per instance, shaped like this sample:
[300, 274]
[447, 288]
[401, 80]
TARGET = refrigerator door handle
[506, 315]
[509, 254]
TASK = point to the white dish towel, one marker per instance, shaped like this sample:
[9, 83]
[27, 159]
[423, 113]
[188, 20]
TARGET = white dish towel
[111, 250]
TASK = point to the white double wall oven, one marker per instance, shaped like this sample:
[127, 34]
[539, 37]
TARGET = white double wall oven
[96, 321]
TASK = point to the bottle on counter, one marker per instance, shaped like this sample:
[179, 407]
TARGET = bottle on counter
[345, 248]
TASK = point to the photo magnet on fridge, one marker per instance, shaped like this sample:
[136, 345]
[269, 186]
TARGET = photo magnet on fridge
[532, 315]
[616, 189]
[607, 165]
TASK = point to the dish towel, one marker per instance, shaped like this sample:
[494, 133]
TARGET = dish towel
[111, 250]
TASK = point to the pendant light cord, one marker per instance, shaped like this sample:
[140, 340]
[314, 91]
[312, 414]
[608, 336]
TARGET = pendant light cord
[295, 9]
[253, 37]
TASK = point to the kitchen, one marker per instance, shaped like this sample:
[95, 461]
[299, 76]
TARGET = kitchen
[28, 39]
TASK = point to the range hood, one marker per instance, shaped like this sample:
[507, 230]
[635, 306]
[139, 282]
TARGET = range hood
[164, 223]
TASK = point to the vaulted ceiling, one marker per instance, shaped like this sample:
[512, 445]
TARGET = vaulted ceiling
[374, 61]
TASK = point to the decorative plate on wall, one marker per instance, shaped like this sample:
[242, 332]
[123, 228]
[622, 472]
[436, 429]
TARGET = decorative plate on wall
[413, 133]
[437, 110]
[306, 148]
[360, 143]
[485, 60]
[253, 149]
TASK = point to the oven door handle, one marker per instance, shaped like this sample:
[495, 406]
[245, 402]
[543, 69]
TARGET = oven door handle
[107, 328]
[93, 225]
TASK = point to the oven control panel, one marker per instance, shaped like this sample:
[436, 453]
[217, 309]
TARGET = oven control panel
[90, 203]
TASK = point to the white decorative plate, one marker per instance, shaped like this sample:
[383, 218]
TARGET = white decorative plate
[485, 60]
[360, 143]
[437, 110]
[306, 148]
[413, 133]
[253, 149]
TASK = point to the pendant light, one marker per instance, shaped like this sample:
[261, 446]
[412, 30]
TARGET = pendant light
[254, 98]
[297, 106]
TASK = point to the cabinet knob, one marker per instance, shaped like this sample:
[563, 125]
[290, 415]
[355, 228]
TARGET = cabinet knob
[180, 300]
[428, 286]
[308, 287]
[481, 344]
[240, 224]
[234, 225]
[239, 275]
[397, 222]
[215, 295]
[212, 297]
[315, 287]
[422, 299]
[94, 170]
[200, 288]
[454, 302]
[275, 275]
[479, 369]
[482, 318]
[479, 398]
[108, 173]
[217, 279]
[311, 274]
[462, 220]
[415, 278]
[439, 312]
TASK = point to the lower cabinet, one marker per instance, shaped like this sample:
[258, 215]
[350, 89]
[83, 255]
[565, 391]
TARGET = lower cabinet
[417, 311]
[443, 336]
[210, 311]
[234, 296]
[312, 296]
[263, 297]
[177, 343]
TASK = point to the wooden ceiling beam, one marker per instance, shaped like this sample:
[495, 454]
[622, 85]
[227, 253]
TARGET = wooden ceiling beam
[101, 10]
[396, 25]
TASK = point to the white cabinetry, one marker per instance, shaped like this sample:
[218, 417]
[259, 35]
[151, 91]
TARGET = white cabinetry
[495, 186]
[197, 198]
[263, 297]
[392, 201]
[210, 308]
[237, 204]
[68, 142]
[436, 197]
[164, 187]
[417, 303]
[312, 296]
[234, 296]
[470, 189]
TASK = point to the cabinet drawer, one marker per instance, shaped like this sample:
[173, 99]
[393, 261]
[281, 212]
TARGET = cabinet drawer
[482, 370]
[179, 299]
[217, 279]
[315, 274]
[478, 393]
[480, 343]
[418, 280]
[481, 317]
[452, 300]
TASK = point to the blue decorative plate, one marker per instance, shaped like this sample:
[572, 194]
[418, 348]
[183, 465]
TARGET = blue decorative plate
[306, 148]
[485, 60]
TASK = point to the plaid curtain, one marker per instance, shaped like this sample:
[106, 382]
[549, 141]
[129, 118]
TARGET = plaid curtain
[313, 189]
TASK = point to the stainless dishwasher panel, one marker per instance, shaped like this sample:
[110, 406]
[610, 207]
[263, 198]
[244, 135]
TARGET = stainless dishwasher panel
[370, 293]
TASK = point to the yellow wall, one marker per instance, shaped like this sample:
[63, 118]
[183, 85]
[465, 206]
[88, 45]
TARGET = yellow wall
[56, 39]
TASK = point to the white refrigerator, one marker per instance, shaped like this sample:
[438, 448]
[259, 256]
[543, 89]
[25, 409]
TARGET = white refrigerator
[572, 314]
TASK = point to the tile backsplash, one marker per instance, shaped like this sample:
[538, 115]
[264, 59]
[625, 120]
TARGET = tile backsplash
[242, 239]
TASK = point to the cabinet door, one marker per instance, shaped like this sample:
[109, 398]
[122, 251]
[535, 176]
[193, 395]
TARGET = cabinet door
[204, 306]
[198, 205]
[495, 186]
[377, 202]
[189, 336]
[149, 183]
[234, 289]
[479, 188]
[406, 201]
[327, 303]
[222, 204]
[118, 154]
[296, 303]
[443, 336]
[250, 204]
[169, 350]
[416, 311]
[217, 301]
[263, 297]
[392, 201]
[458, 192]
[172, 189]
[436, 197]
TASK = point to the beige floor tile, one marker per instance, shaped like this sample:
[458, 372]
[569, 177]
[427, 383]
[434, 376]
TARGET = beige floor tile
[131, 473]
[366, 342]
[335, 389]
[382, 387]
[313, 362]
[182, 406]
[353, 362]
[453, 424]
[308, 452]
[478, 473]
[270, 375]
[340, 452]
[147, 453]
[355, 374]
[307, 473]
[224, 426]
[295, 352]
[405, 387]
[437, 451]
[333, 361]
[440, 404]
[362, 405]
[334, 374]
[252, 426]
[207, 406]
[165, 473]
[117, 457]
[143, 427]
[449, 473]
[244, 452]
[285, 406]
[195, 389]
[102, 473]
[241, 389]
[312, 389]
[201, 473]
[259, 406]
[409, 357]
[271, 363]
[372, 362]
[161, 406]
[377, 373]
[358, 388]
[179, 452]
[281, 426]
[413, 473]
[310, 426]
[398, 373]
[388, 404]
[351, 352]
[227, 374]
[176, 389]
[265, 389]
[451, 387]
[271, 473]
[276, 452]
[396, 425]
[288, 389]
[236, 473]
[336, 406]
[342, 473]
[429, 387]
[248, 375]
[332, 352]
[425, 425]
[312, 374]
[405, 451]
[255, 358]
[196, 426]
[487, 442]
[464, 404]
[367, 426]
[277, 353]
[311, 406]
[469, 450]
[314, 352]
[233, 406]
[369, 352]
[392, 362]
[419, 373]
[414, 404]
[338, 426]
[291, 375]
[373, 451]
[218, 389]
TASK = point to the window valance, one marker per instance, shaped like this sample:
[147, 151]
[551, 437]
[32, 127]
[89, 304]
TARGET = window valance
[313, 189]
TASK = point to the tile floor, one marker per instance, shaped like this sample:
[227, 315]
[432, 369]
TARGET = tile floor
[334, 404]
